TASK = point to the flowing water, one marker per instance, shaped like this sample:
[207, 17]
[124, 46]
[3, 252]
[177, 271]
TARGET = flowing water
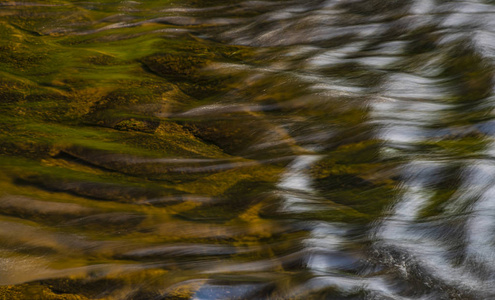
[183, 149]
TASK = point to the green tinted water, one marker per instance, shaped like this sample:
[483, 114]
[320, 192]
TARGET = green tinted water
[246, 150]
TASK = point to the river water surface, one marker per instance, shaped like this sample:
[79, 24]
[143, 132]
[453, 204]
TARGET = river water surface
[339, 149]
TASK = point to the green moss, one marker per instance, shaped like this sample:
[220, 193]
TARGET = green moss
[35, 292]
[185, 69]
[103, 60]
[358, 159]
[86, 184]
[90, 289]
[452, 147]
[472, 75]
[178, 67]
[357, 180]
[355, 74]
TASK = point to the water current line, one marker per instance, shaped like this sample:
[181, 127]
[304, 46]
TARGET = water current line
[325, 239]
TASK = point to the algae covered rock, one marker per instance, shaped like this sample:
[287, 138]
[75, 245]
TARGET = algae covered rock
[177, 67]
[186, 71]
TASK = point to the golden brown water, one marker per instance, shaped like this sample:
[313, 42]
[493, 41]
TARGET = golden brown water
[247, 149]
